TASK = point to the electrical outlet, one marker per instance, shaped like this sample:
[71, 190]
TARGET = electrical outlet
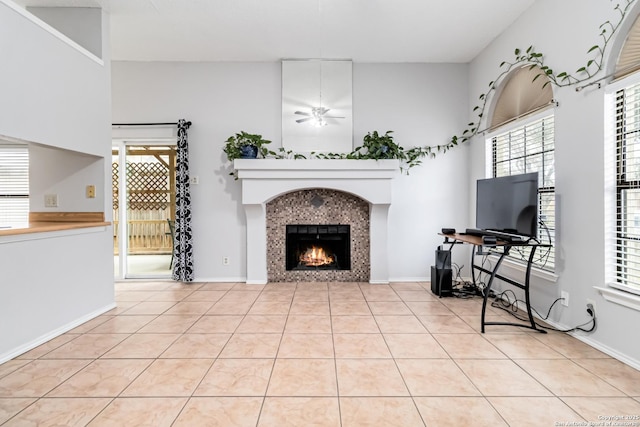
[565, 298]
[91, 191]
[591, 303]
[50, 200]
[225, 260]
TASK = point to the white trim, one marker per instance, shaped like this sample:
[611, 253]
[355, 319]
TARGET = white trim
[626, 288]
[49, 29]
[40, 235]
[520, 122]
[623, 298]
[55, 333]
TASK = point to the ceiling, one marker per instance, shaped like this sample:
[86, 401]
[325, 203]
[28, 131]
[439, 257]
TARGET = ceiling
[270, 30]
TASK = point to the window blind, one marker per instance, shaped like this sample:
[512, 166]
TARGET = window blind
[626, 254]
[530, 148]
[14, 184]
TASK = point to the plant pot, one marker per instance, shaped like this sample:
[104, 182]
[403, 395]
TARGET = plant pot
[249, 152]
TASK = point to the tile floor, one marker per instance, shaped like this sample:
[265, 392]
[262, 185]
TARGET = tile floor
[309, 354]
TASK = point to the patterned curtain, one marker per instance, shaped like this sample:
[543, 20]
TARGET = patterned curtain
[183, 247]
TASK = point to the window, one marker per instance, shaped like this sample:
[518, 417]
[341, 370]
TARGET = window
[14, 184]
[626, 256]
[530, 148]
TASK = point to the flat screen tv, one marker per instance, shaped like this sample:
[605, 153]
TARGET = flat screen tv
[508, 204]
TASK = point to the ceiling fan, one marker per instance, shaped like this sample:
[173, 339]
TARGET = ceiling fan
[318, 114]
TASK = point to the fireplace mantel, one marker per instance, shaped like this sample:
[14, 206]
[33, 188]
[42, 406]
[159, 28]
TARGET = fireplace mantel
[266, 179]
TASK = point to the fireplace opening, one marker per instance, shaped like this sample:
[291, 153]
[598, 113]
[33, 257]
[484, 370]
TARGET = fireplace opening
[318, 247]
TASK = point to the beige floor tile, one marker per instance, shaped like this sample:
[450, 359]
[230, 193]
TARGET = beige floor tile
[379, 293]
[121, 307]
[12, 405]
[501, 377]
[216, 324]
[445, 324]
[435, 377]
[231, 307]
[97, 321]
[101, 378]
[141, 346]
[320, 308]
[303, 377]
[190, 307]
[468, 346]
[276, 296]
[379, 411]
[405, 286]
[140, 412]
[300, 411]
[616, 373]
[39, 377]
[265, 324]
[59, 412]
[270, 307]
[264, 346]
[428, 308]
[201, 295]
[569, 346]
[369, 377]
[169, 377]
[312, 286]
[310, 296]
[45, 348]
[216, 286]
[416, 295]
[87, 346]
[171, 295]
[354, 325]
[247, 287]
[11, 365]
[123, 324]
[169, 324]
[311, 324]
[345, 296]
[566, 378]
[236, 377]
[142, 286]
[350, 308]
[597, 409]
[149, 307]
[419, 346]
[220, 412]
[522, 346]
[181, 285]
[136, 296]
[240, 296]
[534, 411]
[305, 346]
[389, 307]
[462, 307]
[400, 325]
[199, 346]
[284, 286]
[360, 346]
[476, 411]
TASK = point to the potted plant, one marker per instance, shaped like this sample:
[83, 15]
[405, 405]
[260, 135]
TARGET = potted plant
[245, 145]
[380, 147]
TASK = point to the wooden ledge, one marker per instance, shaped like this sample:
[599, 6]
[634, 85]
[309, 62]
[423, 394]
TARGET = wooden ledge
[57, 221]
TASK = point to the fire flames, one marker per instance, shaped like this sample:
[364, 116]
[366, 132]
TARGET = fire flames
[315, 257]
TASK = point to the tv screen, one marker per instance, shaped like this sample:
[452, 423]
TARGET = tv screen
[508, 204]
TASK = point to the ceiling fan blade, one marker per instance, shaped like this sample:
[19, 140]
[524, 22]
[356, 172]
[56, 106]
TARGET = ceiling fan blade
[333, 117]
[302, 113]
[303, 120]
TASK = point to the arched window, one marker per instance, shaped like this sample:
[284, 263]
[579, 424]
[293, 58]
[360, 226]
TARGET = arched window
[521, 140]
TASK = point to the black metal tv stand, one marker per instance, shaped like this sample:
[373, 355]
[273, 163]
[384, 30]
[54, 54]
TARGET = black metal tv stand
[501, 249]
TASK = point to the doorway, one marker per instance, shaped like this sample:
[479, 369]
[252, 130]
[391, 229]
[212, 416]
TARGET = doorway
[144, 199]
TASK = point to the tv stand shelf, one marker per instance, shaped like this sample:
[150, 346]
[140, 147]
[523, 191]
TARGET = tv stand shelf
[501, 249]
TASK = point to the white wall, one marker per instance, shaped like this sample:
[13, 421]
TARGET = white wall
[56, 96]
[423, 104]
[564, 36]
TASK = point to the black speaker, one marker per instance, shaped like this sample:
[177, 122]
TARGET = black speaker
[441, 281]
[443, 258]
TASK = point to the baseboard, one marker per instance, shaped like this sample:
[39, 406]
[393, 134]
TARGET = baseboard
[53, 334]
[220, 279]
[409, 279]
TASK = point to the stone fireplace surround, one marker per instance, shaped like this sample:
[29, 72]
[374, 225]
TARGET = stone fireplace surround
[265, 179]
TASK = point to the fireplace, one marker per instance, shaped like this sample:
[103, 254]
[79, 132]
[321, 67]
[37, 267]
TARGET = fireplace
[318, 247]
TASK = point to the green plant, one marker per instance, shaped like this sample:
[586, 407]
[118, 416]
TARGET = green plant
[234, 145]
